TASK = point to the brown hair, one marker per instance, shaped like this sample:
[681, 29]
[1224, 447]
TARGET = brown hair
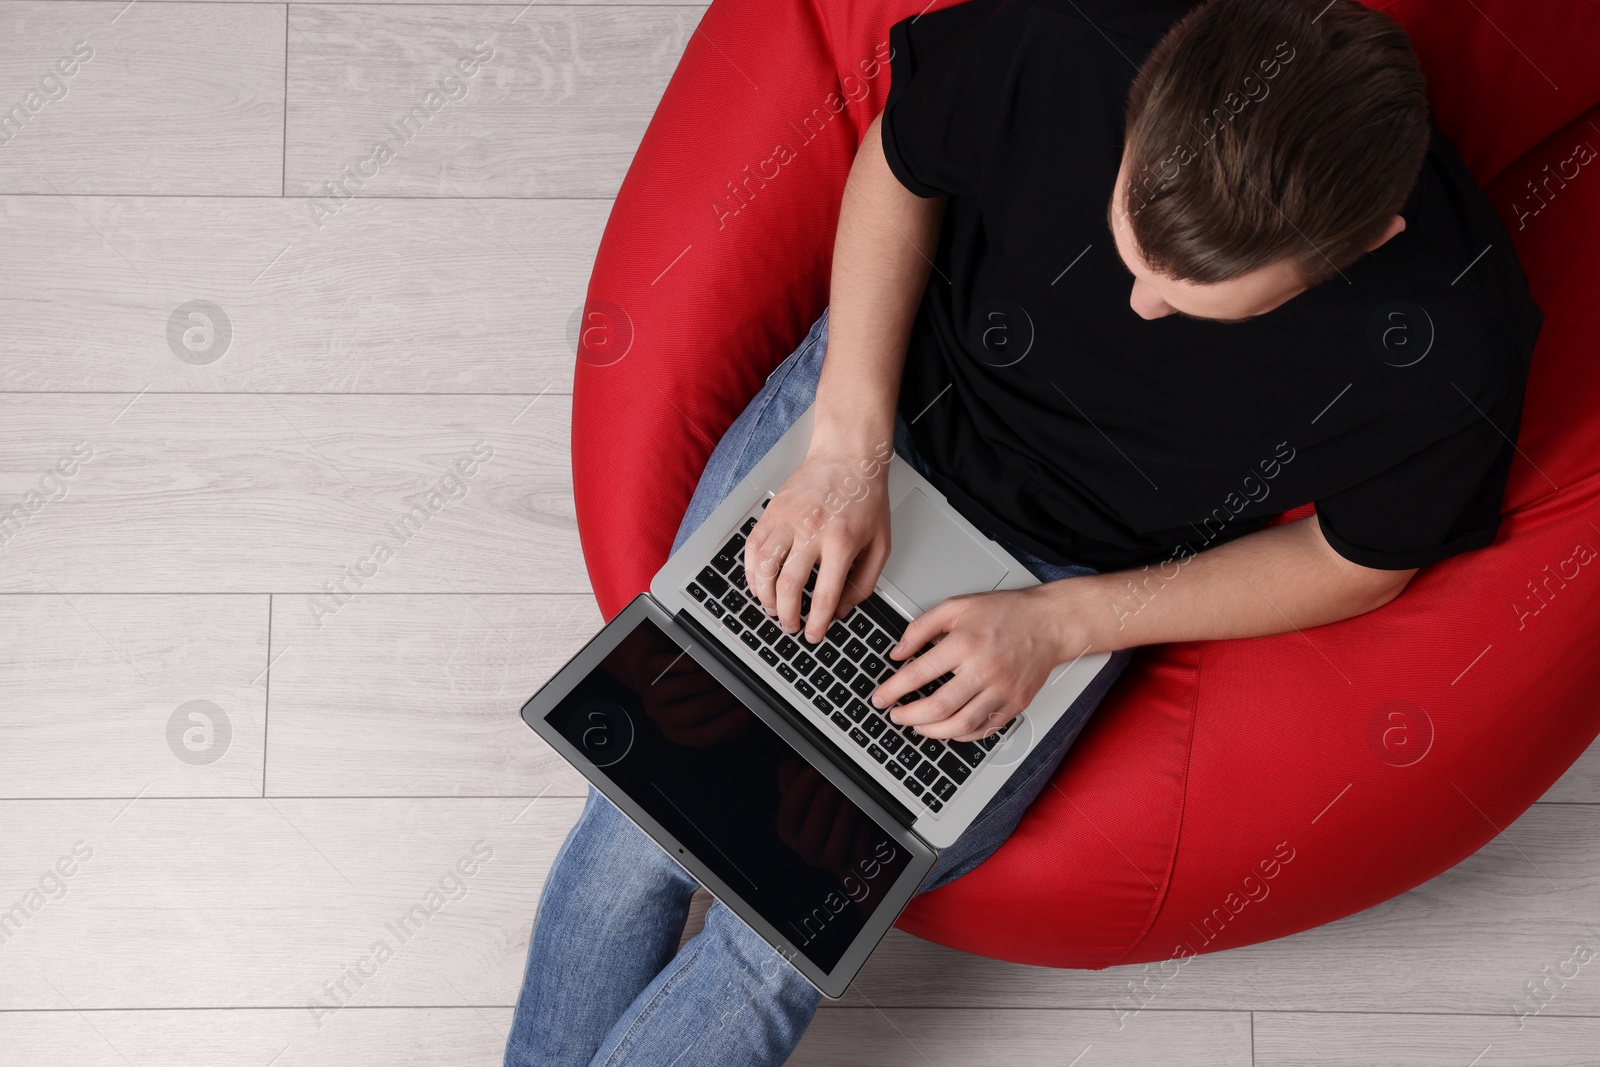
[1259, 130]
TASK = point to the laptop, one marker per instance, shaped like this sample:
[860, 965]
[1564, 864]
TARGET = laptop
[754, 758]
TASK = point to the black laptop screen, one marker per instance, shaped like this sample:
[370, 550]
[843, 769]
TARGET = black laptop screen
[727, 787]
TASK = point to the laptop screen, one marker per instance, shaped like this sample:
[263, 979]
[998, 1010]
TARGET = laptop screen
[729, 788]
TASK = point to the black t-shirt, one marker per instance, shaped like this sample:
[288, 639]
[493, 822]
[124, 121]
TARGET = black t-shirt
[1059, 419]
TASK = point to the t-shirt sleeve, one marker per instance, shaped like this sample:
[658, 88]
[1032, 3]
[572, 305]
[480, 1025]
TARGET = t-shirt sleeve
[942, 104]
[1439, 502]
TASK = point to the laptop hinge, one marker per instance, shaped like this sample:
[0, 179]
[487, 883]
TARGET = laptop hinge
[881, 796]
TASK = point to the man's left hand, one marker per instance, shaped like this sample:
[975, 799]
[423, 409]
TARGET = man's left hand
[999, 646]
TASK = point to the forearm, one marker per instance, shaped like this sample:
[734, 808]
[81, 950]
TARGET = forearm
[1278, 579]
[882, 256]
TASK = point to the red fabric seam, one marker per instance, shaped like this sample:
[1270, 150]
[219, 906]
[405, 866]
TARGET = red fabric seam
[1183, 807]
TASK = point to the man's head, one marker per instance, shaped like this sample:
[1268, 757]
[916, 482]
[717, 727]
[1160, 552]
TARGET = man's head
[1269, 144]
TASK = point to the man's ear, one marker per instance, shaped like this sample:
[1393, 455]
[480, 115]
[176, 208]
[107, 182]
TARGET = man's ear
[1396, 224]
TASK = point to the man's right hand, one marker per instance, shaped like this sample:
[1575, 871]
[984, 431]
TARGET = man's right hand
[833, 512]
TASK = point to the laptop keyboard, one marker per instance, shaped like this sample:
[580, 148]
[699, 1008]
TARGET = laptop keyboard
[835, 676]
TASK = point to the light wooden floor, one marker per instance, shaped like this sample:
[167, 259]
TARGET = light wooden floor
[361, 748]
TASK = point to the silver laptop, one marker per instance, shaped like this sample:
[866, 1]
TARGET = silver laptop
[754, 758]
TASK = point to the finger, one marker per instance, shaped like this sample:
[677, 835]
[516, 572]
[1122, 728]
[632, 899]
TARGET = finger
[993, 719]
[914, 675]
[794, 802]
[969, 721]
[925, 627]
[818, 817]
[863, 576]
[944, 702]
[837, 556]
[792, 581]
[787, 770]
[836, 853]
[708, 732]
[764, 554]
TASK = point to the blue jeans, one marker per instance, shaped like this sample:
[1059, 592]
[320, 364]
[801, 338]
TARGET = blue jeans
[605, 982]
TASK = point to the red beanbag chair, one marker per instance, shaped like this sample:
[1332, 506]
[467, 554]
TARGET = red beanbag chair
[1334, 769]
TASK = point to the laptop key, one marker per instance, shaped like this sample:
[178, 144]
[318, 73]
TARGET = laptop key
[969, 751]
[926, 773]
[716, 609]
[770, 632]
[931, 747]
[822, 705]
[860, 738]
[873, 726]
[803, 687]
[749, 524]
[786, 647]
[752, 616]
[844, 670]
[714, 583]
[944, 789]
[861, 625]
[768, 655]
[839, 694]
[855, 649]
[723, 562]
[696, 592]
[908, 758]
[804, 663]
[786, 672]
[840, 721]
[732, 623]
[877, 753]
[879, 641]
[891, 742]
[828, 655]
[895, 770]
[933, 804]
[733, 600]
[736, 578]
[863, 686]
[822, 679]
[873, 666]
[837, 633]
[750, 639]
[913, 785]
[955, 767]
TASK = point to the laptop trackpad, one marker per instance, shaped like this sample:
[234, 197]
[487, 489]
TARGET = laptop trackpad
[931, 557]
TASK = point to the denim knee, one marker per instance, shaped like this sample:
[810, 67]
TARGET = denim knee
[616, 855]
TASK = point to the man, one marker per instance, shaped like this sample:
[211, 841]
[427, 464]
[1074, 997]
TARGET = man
[1125, 280]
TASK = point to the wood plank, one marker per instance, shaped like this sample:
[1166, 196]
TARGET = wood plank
[245, 903]
[1466, 941]
[161, 98]
[94, 684]
[266, 902]
[434, 296]
[1323, 1039]
[475, 1037]
[916, 1037]
[556, 107]
[258, 494]
[422, 693]
[1581, 783]
[357, 1037]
